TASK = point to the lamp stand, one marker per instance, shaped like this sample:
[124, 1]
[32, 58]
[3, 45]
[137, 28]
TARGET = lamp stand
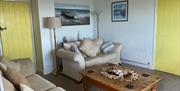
[56, 66]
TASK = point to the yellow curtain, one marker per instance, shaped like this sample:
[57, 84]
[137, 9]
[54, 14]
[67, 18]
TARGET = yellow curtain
[17, 39]
[168, 36]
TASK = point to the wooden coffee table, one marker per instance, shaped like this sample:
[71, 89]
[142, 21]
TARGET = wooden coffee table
[92, 76]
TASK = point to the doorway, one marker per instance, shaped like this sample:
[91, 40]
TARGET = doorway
[16, 30]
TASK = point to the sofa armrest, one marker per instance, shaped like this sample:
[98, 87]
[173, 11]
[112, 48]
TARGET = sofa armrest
[70, 56]
[27, 66]
[117, 50]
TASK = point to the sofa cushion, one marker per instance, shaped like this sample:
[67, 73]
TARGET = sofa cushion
[56, 89]
[67, 46]
[3, 67]
[13, 65]
[14, 77]
[8, 86]
[91, 47]
[38, 83]
[27, 66]
[25, 88]
[90, 61]
[75, 49]
[107, 57]
[100, 59]
[107, 47]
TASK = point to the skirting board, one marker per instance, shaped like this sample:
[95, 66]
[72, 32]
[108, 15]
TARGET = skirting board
[136, 63]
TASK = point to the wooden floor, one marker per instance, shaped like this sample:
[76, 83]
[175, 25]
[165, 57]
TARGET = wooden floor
[169, 82]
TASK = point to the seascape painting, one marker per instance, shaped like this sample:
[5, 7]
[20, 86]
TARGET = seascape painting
[72, 17]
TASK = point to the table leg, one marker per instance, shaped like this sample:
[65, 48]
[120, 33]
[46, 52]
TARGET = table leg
[154, 88]
[85, 84]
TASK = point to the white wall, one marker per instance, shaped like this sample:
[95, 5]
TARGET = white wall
[44, 60]
[86, 31]
[137, 35]
[46, 8]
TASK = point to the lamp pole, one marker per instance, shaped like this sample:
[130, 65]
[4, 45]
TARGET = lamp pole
[56, 70]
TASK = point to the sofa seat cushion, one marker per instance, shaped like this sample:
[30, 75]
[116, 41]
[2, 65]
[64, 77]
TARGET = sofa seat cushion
[107, 57]
[99, 59]
[56, 89]
[39, 84]
[90, 61]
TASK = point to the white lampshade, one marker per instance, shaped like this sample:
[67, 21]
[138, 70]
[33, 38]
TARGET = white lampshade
[52, 22]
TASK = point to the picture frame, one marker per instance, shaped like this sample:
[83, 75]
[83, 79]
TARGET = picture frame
[119, 11]
[72, 17]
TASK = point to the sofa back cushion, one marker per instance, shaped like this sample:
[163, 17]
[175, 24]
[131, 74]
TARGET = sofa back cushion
[16, 78]
[27, 66]
[12, 65]
[107, 47]
[23, 65]
[91, 47]
[67, 46]
[13, 76]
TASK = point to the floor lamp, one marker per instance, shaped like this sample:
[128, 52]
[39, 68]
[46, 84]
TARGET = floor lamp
[52, 23]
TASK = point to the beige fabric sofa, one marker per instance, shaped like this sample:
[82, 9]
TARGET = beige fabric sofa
[36, 82]
[73, 62]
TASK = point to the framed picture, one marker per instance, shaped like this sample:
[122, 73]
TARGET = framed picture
[119, 11]
[72, 17]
